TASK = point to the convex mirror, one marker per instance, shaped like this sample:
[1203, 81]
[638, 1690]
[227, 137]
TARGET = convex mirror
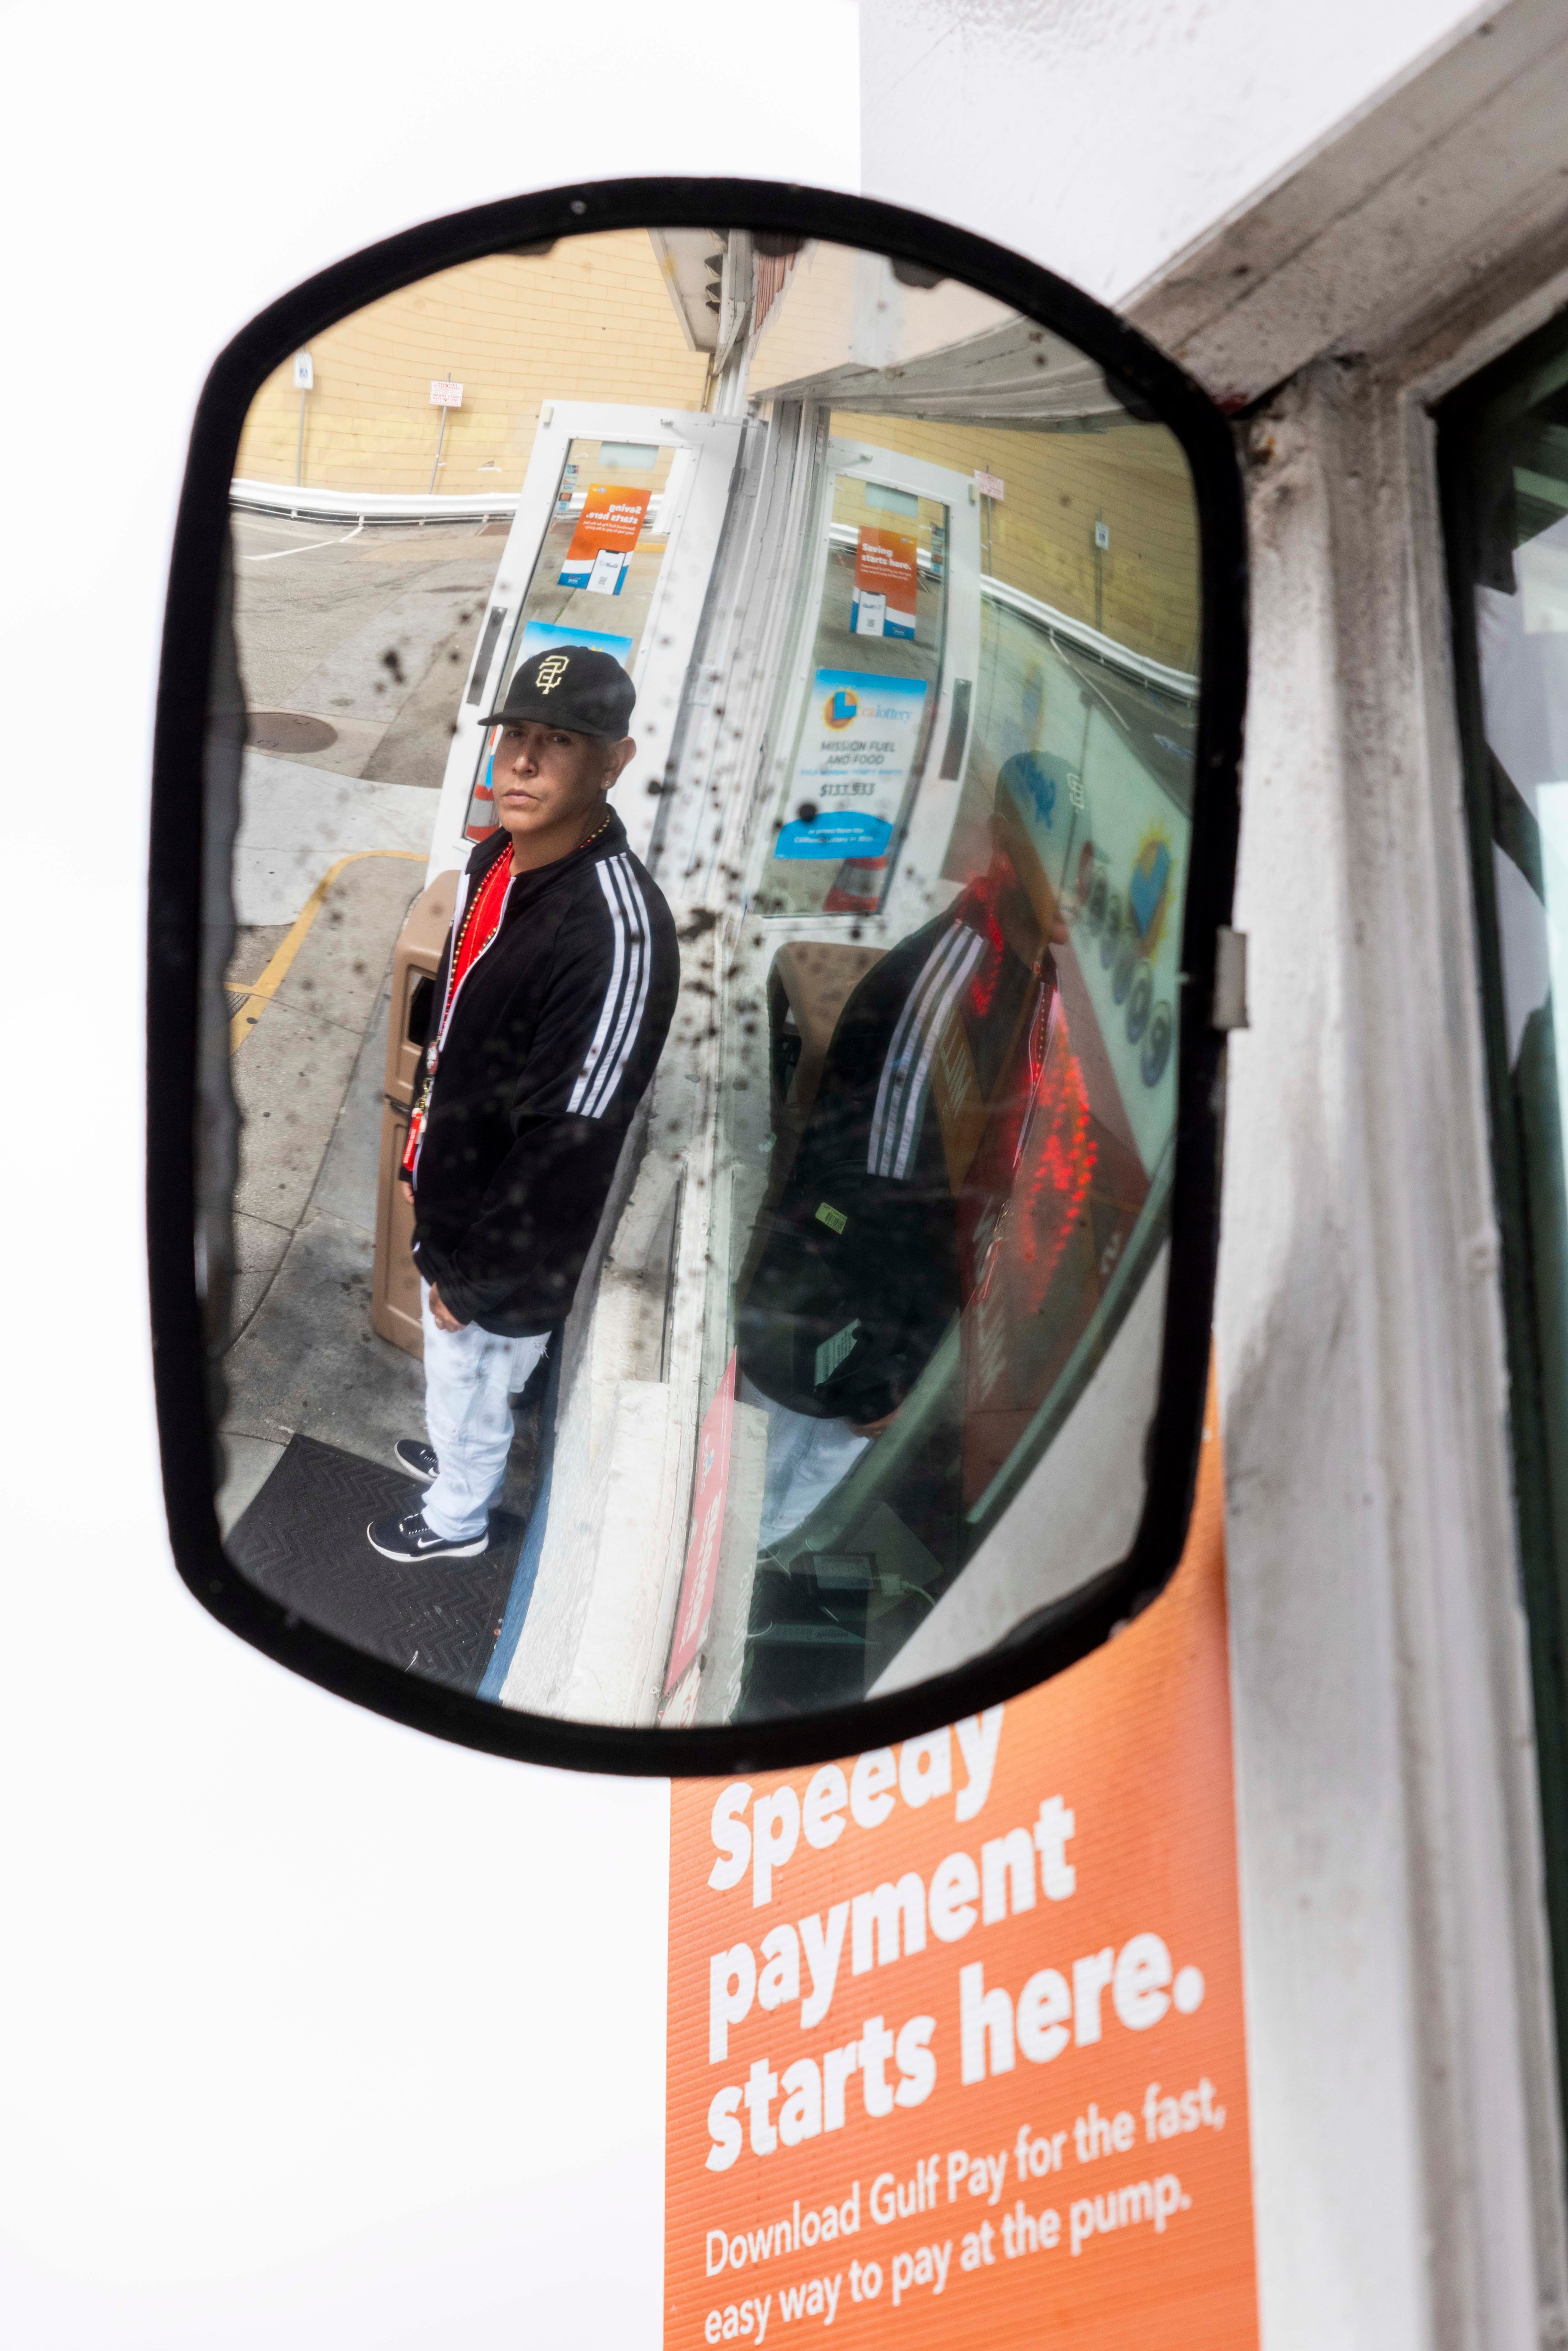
[695, 799]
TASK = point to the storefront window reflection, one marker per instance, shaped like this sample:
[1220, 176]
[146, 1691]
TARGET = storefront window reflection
[949, 1126]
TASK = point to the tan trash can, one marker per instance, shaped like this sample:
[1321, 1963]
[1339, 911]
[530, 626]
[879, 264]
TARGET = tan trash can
[809, 985]
[394, 1294]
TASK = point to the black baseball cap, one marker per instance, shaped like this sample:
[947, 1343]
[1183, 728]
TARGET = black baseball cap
[573, 686]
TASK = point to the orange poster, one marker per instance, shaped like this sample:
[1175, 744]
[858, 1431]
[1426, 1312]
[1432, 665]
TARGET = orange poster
[882, 600]
[956, 2047]
[608, 531]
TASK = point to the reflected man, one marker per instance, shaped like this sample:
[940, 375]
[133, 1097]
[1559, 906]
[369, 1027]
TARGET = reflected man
[903, 1173]
[554, 994]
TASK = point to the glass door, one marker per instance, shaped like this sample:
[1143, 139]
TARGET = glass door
[613, 542]
[877, 705]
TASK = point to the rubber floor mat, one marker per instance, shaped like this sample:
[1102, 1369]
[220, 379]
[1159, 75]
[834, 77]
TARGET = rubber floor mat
[302, 1542]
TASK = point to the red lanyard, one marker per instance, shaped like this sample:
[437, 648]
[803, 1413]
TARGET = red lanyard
[479, 925]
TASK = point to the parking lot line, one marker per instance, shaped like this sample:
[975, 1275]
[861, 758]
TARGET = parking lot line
[260, 993]
[309, 548]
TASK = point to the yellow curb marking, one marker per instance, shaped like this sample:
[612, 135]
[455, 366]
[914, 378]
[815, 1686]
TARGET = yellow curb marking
[256, 998]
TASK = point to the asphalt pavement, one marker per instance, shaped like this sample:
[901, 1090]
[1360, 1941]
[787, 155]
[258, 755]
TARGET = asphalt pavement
[353, 648]
[369, 633]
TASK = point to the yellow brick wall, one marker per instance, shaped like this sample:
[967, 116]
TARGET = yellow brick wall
[1041, 535]
[591, 321]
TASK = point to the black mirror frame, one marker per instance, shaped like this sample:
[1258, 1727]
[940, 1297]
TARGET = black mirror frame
[1063, 1634]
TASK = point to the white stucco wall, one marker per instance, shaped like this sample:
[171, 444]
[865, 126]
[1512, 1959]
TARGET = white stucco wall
[1103, 136]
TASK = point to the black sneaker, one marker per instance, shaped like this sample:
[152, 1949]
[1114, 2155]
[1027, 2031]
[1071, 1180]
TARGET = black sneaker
[419, 1460]
[409, 1537]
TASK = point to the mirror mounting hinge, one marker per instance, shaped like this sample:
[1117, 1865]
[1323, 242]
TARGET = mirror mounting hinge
[1230, 979]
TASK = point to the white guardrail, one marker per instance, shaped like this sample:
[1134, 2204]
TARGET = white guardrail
[303, 503]
[1088, 639]
[1109, 650]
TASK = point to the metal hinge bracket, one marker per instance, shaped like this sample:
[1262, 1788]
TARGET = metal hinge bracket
[1230, 981]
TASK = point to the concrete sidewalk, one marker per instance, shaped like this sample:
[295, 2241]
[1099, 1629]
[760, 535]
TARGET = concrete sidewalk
[309, 1079]
[296, 821]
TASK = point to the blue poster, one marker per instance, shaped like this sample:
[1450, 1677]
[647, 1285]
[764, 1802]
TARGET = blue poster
[543, 636]
[857, 748]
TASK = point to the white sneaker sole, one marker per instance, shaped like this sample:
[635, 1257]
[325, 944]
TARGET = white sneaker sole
[436, 1550]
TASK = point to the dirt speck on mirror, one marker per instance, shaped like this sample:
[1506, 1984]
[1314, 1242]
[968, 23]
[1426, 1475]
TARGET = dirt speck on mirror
[709, 889]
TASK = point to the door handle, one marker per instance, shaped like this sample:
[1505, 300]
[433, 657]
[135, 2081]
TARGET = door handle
[958, 729]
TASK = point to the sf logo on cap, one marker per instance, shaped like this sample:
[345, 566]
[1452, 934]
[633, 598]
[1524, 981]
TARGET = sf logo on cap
[551, 671]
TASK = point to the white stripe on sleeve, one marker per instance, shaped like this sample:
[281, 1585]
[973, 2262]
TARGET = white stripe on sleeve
[935, 1022]
[612, 994]
[634, 995]
[886, 1114]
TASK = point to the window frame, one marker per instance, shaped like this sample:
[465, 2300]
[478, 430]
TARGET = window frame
[1539, 1488]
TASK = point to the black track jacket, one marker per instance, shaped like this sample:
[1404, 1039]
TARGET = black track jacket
[554, 1034]
[860, 1274]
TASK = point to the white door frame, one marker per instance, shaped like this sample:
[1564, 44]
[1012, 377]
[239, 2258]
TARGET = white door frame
[696, 496]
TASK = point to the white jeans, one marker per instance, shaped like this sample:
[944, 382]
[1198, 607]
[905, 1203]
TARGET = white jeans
[471, 1377]
[806, 1459]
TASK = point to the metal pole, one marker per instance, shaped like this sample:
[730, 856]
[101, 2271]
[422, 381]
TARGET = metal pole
[299, 447]
[440, 438]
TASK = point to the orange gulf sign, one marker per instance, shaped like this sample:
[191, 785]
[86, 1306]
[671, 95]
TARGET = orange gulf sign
[956, 2048]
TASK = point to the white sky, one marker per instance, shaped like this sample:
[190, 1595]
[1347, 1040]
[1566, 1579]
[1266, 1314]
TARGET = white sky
[315, 2030]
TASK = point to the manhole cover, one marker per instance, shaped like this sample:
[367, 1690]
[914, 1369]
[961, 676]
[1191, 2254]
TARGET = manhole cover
[288, 730]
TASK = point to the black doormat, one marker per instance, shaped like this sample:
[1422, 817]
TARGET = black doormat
[302, 1542]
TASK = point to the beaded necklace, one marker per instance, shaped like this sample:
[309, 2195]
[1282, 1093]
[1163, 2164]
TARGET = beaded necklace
[479, 897]
[473, 905]
[474, 902]
[456, 975]
[599, 828]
